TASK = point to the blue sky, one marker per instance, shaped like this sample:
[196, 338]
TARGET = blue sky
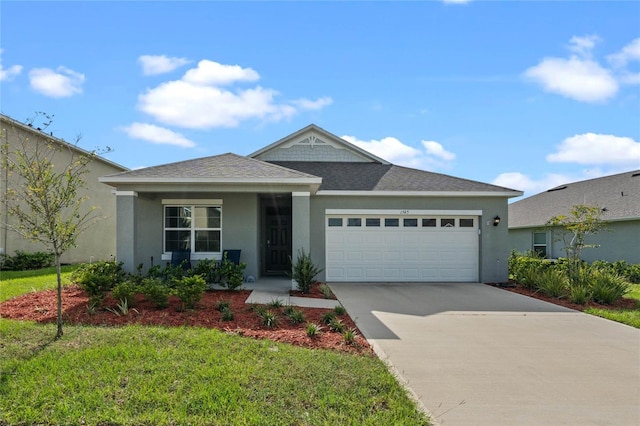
[526, 95]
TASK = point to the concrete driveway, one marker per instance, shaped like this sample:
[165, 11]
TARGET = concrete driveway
[478, 355]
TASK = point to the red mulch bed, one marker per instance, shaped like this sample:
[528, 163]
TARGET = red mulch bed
[313, 293]
[623, 303]
[41, 307]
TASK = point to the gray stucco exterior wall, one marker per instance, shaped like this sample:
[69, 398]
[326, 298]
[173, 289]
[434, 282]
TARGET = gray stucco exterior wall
[621, 241]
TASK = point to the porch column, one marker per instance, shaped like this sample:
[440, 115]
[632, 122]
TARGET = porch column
[301, 222]
[126, 203]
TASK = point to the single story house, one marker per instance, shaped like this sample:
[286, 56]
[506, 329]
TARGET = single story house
[97, 242]
[617, 195]
[360, 217]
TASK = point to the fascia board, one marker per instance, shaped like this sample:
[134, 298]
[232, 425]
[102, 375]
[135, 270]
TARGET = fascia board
[508, 194]
[226, 181]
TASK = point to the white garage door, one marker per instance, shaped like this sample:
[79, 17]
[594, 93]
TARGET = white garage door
[388, 248]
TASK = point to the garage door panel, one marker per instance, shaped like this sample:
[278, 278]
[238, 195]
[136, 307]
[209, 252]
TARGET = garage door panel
[402, 254]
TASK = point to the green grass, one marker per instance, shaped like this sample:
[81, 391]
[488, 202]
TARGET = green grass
[15, 283]
[626, 316]
[151, 375]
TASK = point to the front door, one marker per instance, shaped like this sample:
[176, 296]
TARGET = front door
[276, 240]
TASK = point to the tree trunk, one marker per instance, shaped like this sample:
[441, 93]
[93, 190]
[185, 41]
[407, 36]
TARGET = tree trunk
[58, 273]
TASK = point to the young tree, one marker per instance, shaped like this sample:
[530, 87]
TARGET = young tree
[573, 230]
[45, 179]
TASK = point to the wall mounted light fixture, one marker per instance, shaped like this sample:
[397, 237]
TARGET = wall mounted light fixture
[496, 221]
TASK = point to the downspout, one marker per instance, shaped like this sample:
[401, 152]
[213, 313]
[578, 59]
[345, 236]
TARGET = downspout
[5, 194]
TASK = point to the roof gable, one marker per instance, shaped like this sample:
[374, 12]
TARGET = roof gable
[618, 195]
[313, 143]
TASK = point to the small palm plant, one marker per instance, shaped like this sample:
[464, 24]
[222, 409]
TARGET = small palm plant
[304, 271]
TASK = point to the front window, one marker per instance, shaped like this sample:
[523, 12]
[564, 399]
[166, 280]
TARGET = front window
[195, 228]
[540, 243]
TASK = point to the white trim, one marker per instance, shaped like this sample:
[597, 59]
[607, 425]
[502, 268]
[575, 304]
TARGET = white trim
[403, 212]
[196, 256]
[195, 202]
[509, 194]
[301, 194]
[124, 193]
[232, 181]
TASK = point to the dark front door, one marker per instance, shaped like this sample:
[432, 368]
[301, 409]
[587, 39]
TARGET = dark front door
[277, 239]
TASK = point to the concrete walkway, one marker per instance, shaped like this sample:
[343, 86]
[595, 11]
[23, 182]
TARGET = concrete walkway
[477, 355]
[266, 290]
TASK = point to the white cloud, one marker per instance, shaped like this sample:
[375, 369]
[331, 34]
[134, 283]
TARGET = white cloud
[160, 64]
[582, 78]
[575, 78]
[631, 52]
[583, 46]
[198, 101]
[157, 135]
[598, 149]
[437, 150]
[61, 83]
[529, 186]
[396, 152]
[212, 73]
[456, 1]
[8, 73]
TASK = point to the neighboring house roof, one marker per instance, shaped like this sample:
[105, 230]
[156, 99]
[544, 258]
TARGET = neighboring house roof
[618, 195]
[40, 133]
[224, 168]
[313, 134]
[388, 177]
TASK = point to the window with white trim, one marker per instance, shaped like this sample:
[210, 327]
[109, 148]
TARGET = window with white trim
[197, 228]
[540, 243]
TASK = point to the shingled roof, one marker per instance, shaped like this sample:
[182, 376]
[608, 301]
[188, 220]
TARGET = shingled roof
[618, 195]
[386, 177]
[222, 167]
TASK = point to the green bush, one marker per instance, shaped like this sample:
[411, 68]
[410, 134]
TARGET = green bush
[304, 271]
[553, 283]
[156, 291]
[336, 325]
[579, 293]
[327, 317]
[227, 315]
[126, 290]
[631, 272]
[525, 268]
[313, 330]
[190, 290]
[98, 278]
[339, 310]
[208, 269]
[231, 275]
[269, 318]
[326, 291]
[23, 261]
[222, 304]
[607, 287]
[295, 316]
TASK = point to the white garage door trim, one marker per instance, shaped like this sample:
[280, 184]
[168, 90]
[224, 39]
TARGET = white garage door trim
[402, 245]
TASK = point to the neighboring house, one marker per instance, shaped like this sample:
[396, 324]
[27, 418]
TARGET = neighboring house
[619, 198]
[360, 217]
[97, 242]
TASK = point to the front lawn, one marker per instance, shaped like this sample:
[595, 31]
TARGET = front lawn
[15, 283]
[155, 375]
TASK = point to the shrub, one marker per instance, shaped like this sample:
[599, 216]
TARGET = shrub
[579, 293]
[339, 310]
[295, 316]
[275, 303]
[208, 269]
[269, 318]
[350, 336]
[313, 330]
[22, 261]
[552, 283]
[304, 271]
[327, 317]
[231, 275]
[98, 278]
[190, 290]
[222, 304]
[525, 268]
[227, 315]
[326, 291]
[156, 291]
[126, 290]
[607, 287]
[336, 326]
